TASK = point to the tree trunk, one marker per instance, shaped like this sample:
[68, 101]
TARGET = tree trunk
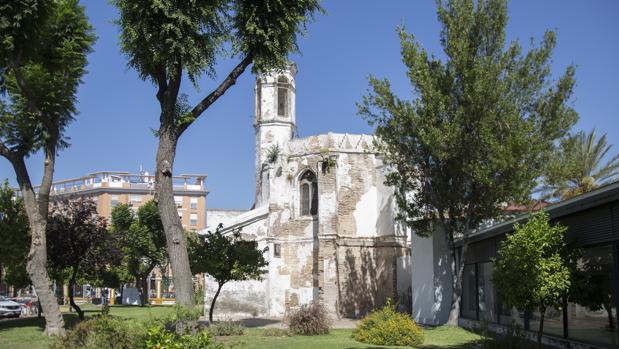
[80, 312]
[144, 290]
[175, 237]
[37, 260]
[542, 313]
[210, 311]
[457, 270]
[609, 312]
[37, 206]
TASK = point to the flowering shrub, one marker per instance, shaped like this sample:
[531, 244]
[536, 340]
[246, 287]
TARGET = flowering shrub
[388, 327]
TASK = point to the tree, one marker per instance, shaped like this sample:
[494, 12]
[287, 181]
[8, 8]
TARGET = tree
[225, 258]
[531, 270]
[42, 60]
[143, 242]
[80, 248]
[478, 130]
[578, 168]
[15, 237]
[165, 40]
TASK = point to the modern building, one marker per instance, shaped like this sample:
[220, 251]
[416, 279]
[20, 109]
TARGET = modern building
[592, 222]
[322, 209]
[109, 189]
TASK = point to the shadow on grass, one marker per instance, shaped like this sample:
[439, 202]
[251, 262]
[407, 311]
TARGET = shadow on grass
[69, 319]
[258, 322]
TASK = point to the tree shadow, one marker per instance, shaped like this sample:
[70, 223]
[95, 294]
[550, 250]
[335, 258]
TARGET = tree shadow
[69, 319]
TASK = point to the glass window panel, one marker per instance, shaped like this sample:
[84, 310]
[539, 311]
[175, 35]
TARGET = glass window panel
[282, 99]
[592, 312]
[305, 199]
[487, 305]
[469, 299]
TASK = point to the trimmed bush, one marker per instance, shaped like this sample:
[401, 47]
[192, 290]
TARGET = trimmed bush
[388, 327]
[102, 332]
[309, 320]
[226, 328]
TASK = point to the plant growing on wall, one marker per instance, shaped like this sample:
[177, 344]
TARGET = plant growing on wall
[273, 153]
[226, 257]
[478, 131]
[328, 162]
[531, 271]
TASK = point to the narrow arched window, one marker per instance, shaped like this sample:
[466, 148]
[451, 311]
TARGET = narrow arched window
[282, 96]
[309, 194]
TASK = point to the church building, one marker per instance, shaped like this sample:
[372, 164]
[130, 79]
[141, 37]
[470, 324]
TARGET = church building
[324, 213]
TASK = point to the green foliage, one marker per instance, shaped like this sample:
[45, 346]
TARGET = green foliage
[225, 257]
[142, 240]
[273, 153]
[15, 237]
[532, 267]
[226, 328]
[386, 326]
[103, 332]
[579, 167]
[42, 61]
[592, 285]
[309, 320]
[158, 337]
[481, 125]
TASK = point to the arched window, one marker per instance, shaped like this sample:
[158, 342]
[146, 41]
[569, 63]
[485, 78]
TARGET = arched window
[309, 193]
[282, 96]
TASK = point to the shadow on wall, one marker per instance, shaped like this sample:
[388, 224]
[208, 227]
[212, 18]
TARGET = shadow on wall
[368, 282]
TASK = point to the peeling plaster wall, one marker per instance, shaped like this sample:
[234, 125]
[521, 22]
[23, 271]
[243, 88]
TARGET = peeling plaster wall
[216, 216]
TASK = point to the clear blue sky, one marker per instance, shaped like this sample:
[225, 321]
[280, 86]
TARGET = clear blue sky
[354, 39]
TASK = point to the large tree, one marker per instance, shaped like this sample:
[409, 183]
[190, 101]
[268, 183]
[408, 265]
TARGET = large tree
[476, 132]
[532, 269]
[15, 237]
[143, 242]
[43, 48]
[167, 40]
[80, 248]
[583, 163]
[225, 257]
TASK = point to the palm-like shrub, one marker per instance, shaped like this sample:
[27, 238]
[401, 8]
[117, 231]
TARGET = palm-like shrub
[388, 327]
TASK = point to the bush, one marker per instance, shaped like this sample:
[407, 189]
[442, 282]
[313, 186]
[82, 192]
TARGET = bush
[102, 332]
[309, 320]
[388, 327]
[226, 328]
[158, 337]
[276, 332]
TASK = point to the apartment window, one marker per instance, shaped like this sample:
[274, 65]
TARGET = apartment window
[193, 219]
[136, 199]
[193, 203]
[277, 250]
[179, 201]
[114, 200]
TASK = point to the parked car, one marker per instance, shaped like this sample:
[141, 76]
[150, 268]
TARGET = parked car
[9, 308]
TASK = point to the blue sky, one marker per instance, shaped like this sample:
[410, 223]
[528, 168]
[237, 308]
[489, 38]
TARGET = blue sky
[355, 39]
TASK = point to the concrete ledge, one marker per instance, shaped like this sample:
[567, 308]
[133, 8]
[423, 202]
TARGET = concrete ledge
[551, 341]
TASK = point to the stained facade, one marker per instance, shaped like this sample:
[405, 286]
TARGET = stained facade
[324, 213]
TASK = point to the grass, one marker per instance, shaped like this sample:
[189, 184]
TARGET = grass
[27, 333]
[440, 337]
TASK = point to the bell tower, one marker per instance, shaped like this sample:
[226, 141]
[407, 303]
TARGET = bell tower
[275, 121]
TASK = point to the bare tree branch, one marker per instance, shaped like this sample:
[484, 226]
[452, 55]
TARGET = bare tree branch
[228, 82]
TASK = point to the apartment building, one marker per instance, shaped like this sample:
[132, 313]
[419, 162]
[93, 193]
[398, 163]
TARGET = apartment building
[110, 189]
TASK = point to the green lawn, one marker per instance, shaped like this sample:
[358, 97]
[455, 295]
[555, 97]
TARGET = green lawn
[441, 337]
[27, 333]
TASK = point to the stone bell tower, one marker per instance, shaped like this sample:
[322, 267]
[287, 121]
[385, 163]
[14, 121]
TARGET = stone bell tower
[275, 122]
